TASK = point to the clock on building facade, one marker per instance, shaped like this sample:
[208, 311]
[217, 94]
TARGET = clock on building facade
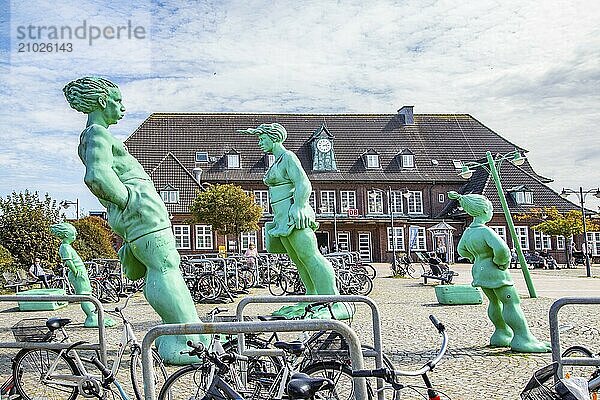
[323, 154]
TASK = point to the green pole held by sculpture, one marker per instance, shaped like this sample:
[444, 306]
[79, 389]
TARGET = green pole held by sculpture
[292, 230]
[135, 211]
[491, 258]
[78, 275]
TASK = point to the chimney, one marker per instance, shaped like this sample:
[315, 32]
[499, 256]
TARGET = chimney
[405, 115]
[197, 174]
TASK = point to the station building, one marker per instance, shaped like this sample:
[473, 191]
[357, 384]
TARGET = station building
[378, 180]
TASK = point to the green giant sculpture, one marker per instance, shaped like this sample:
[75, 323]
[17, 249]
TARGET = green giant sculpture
[135, 210]
[78, 275]
[491, 257]
[292, 230]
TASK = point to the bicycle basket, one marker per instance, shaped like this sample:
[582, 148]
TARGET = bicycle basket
[541, 384]
[328, 345]
[31, 330]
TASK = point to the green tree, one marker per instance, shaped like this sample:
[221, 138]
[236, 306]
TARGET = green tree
[228, 209]
[6, 260]
[94, 239]
[25, 221]
[553, 222]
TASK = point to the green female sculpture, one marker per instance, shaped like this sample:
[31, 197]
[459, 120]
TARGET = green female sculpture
[135, 211]
[491, 258]
[78, 275]
[292, 229]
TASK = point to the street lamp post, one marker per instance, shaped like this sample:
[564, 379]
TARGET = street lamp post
[492, 164]
[325, 210]
[389, 201]
[581, 194]
[65, 204]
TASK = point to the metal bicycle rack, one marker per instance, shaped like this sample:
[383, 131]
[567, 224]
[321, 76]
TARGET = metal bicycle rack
[555, 334]
[100, 346]
[360, 388]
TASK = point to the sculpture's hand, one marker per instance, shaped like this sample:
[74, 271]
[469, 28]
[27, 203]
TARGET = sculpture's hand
[300, 218]
[502, 266]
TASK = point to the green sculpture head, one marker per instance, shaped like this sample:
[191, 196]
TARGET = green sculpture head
[268, 135]
[475, 205]
[64, 231]
[96, 95]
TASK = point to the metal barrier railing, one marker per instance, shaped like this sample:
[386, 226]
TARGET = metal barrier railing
[100, 346]
[555, 333]
[360, 388]
[376, 322]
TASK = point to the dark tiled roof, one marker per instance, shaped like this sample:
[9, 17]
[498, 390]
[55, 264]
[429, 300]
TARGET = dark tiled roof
[511, 176]
[171, 174]
[432, 137]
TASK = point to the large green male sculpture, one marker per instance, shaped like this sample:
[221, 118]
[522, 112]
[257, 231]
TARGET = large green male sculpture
[491, 257]
[135, 210]
[78, 275]
[292, 229]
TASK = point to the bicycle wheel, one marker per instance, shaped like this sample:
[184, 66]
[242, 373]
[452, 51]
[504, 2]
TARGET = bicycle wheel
[208, 287]
[361, 284]
[341, 375]
[576, 370]
[135, 371]
[246, 278]
[278, 284]
[189, 382]
[111, 294]
[29, 368]
[96, 289]
[413, 271]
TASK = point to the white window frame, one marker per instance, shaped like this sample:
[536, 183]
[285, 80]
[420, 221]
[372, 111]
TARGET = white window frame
[375, 202]
[372, 160]
[204, 237]
[233, 161]
[500, 230]
[346, 240]
[347, 199]
[524, 197]
[327, 201]
[261, 197]
[441, 198]
[593, 239]
[399, 238]
[421, 242]
[170, 196]
[396, 203]
[408, 160]
[312, 200]
[182, 237]
[202, 157]
[522, 233]
[246, 238]
[541, 241]
[415, 202]
[560, 242]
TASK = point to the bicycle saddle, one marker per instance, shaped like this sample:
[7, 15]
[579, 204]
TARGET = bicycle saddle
[295, 347]
[56, 323]
[302, 386]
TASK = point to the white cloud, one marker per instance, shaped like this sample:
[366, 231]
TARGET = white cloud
[528, 70]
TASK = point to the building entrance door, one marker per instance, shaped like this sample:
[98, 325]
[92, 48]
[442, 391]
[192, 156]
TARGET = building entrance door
[364, 246]
[343, 241]
[322, 240]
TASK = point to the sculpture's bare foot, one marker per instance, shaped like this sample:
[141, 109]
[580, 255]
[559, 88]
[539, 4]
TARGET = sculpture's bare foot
[529, 345]
[341, 311]
[170, 348]
[92, 322]
[501, 338]
[295, 311]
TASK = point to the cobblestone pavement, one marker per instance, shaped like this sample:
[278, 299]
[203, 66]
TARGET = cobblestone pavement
[471, 370]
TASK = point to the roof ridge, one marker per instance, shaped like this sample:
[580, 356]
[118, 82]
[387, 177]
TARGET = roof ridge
[170, 153]
[166, 113]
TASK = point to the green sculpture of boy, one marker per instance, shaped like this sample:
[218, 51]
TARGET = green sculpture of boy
[293, 226]
[78, 275]
[135, 211]
[491, 258]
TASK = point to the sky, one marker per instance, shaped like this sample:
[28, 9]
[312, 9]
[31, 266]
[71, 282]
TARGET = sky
[529, 70]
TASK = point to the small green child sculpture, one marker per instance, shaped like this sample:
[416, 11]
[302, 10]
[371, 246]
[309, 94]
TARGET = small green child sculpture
[292, 230]
[491, 258]
[78, 275]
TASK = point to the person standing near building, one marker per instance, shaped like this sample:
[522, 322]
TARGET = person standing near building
[36, 271]
[251, 254]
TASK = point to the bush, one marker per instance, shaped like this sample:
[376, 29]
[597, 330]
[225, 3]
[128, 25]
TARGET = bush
[94, 239]
[6, 260]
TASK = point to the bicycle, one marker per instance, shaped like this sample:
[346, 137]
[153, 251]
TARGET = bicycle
[545, 384]
[62, 374]
[402, 265]
[390, 376]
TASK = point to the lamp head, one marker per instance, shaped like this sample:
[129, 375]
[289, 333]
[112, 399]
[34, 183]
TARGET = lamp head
[597, 194]
[518, 159]
[564, 194]
[465, 172]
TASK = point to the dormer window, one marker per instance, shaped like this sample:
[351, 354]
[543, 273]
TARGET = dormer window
[202, 157]
[522, 194]
[233, 160]
[169, 195]
[371, 159]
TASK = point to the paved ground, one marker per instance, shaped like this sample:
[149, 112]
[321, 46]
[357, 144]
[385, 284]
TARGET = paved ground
[471, 370]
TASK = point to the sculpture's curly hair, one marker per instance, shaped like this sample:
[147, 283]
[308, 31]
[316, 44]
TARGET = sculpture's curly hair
[474, 204]
[83, 93]
[63, 230]
[275, 131]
